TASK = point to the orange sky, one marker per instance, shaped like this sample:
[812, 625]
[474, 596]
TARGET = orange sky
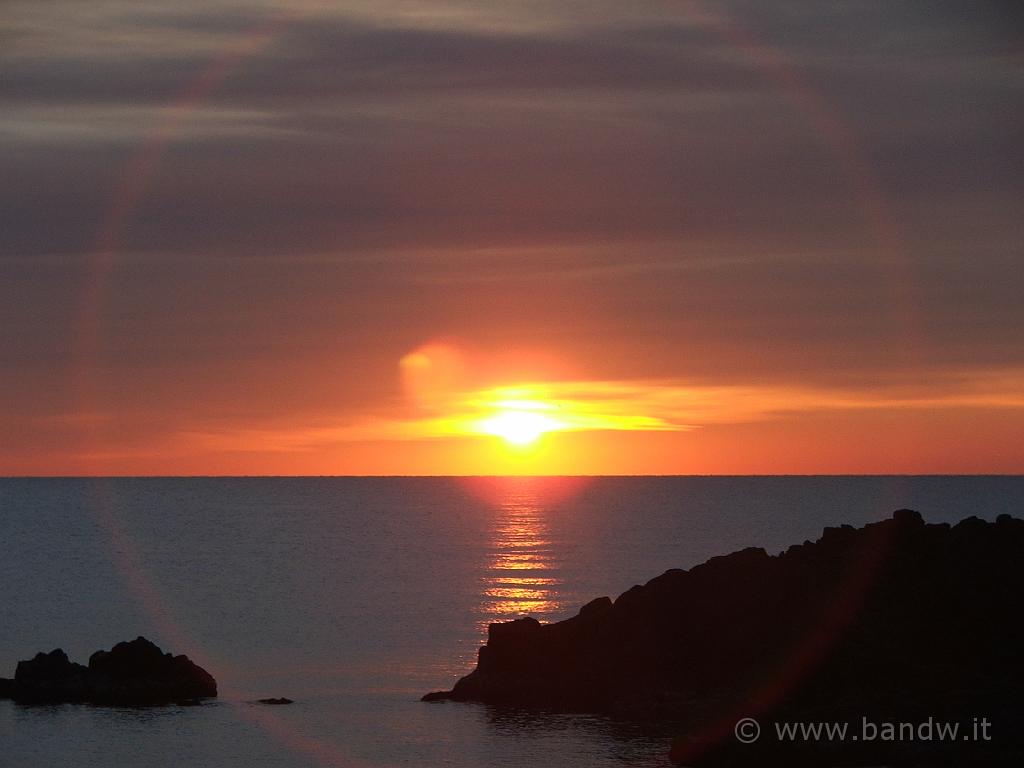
[455, 413]
[382, 238]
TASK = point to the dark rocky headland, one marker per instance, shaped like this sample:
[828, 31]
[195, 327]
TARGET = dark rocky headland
[131, 673]
[898, 621]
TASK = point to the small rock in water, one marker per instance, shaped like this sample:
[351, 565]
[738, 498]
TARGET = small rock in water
[437, 696]
[278, 701]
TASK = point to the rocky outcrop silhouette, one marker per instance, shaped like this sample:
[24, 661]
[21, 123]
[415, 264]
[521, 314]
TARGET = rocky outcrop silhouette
[898, 620]
[49, 677]
[131, 673]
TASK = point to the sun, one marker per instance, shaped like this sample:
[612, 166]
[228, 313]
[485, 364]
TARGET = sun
[520, 426]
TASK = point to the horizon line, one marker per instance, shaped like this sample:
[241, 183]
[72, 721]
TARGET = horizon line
[509, 476]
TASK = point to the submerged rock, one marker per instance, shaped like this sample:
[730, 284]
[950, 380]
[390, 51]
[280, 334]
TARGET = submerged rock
[131, 673]
[898, 619]
[275, 702]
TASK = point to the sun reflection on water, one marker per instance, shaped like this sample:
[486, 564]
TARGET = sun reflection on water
[522, 569]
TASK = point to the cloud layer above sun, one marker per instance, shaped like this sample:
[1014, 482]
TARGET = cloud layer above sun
[697, 231]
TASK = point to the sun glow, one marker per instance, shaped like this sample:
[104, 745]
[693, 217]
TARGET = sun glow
[451, 395]
[519, 422]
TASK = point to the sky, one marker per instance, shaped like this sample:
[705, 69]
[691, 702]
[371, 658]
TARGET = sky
[470, 237]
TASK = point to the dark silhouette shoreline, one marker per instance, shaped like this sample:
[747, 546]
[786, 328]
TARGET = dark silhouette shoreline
[135, 673]
[898, 621]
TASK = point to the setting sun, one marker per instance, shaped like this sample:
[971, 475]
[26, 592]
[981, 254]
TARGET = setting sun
[519, 423]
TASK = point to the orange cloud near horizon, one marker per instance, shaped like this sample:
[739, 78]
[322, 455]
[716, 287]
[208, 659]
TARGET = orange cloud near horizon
[455, 420]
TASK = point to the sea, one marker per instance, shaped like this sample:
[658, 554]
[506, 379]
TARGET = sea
[356, 596]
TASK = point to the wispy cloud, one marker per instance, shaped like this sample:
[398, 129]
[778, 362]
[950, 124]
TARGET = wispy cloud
[121, 123]
[633, 406]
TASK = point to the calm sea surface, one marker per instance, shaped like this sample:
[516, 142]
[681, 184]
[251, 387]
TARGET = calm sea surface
[355, 596]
